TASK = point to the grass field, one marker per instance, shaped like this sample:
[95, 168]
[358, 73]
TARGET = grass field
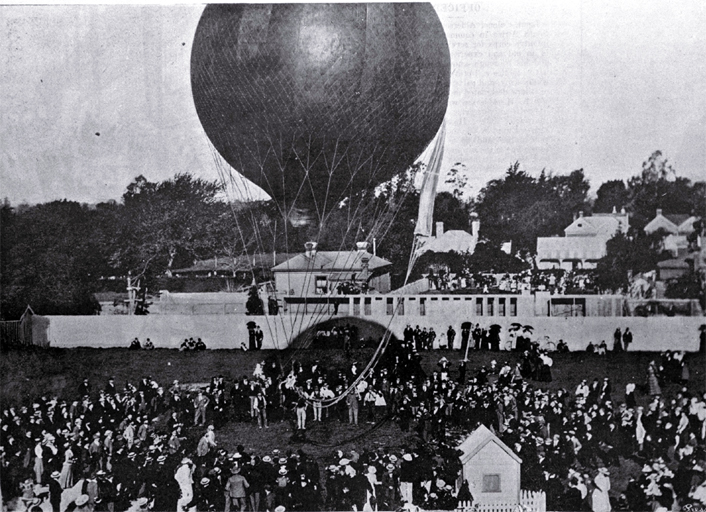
[25, 375]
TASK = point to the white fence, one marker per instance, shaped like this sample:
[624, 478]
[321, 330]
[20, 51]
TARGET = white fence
[530, 501]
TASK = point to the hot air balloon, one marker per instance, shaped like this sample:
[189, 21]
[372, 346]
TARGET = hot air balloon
[316, 103]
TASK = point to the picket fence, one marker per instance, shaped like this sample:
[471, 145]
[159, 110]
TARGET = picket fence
[530, 501]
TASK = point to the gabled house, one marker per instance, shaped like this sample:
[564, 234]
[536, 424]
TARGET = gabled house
[324, 273]
[678, 225]
[583, 243]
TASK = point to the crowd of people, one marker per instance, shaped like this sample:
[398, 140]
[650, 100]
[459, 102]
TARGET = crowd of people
[555, 281]
[149, 446]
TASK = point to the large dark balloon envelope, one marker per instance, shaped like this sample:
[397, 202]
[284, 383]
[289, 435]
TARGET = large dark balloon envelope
[316, 102]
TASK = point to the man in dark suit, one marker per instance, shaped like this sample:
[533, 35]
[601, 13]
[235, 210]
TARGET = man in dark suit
[55, 491]
[110, 388]
[84, 389]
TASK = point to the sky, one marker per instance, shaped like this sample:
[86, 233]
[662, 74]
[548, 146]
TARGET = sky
[93, 96]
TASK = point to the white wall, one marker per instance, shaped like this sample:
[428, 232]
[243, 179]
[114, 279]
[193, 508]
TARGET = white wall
[228, 331]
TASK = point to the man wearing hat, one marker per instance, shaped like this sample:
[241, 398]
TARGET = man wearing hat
[82, 504]
[236, 491]
[202, 496]
[105, 500]
[55, 491]
[407, 477]
[183, 476]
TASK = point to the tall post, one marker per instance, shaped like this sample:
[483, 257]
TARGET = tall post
[130, 294]
[468, 345]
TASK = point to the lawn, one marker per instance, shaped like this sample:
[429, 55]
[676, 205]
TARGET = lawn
[25, 375]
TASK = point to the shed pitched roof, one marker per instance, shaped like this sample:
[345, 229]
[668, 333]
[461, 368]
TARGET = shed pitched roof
[335, 261]
[478, 439]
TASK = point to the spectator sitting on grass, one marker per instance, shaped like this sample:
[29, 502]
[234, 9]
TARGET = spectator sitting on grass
[135, 345]
[200, 345]
[148, 345]
[602, 349]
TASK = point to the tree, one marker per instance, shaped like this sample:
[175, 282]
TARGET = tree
[687, 286]
[489, 258]
[658, 186]
[165, 222]
[451, 209]
[611, 194]
[627, 256]
[520, 207]
[50, 260]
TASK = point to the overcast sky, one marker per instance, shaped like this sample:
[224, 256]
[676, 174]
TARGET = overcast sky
[94, 96]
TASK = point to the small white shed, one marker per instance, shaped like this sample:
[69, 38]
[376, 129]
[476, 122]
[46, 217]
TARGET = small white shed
[491, 468]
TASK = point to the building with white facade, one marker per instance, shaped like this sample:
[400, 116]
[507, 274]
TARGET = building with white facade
[583, 243]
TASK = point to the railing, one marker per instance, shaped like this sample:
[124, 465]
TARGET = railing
[530, 501]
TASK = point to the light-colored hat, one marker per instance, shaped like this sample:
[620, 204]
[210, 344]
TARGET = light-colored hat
[205, 481]
[344, 462]
[390, 467]
[407, 457]
[280, 508]
[267, 459]
[55, 474]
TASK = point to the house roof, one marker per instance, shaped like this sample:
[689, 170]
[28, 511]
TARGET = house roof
[245, 262]
[453, 240]
[603, 225]
[335, 261]
[478, 439]
[675, 223]
[677, 218]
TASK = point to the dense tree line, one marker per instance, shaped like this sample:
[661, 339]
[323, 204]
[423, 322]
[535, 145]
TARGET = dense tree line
[57, 254]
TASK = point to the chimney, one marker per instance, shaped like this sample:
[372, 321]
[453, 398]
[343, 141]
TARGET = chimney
[310, 249]
[361, 246]
[439, 229]
[475, 224]
[659, 212]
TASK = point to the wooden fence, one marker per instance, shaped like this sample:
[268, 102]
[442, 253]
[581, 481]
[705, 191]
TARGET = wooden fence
[20, 333]
[530, 501]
